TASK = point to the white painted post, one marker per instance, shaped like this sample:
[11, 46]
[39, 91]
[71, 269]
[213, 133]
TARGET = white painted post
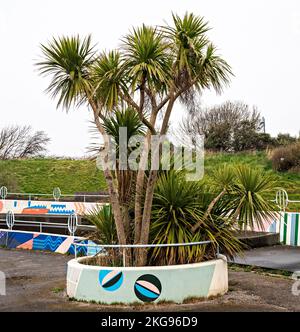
[282, 201]
[3, 192]
[56, 193]
[72, 223]
[2, 284]
[10, 219]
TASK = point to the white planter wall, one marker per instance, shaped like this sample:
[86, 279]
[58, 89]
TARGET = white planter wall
[146, 284]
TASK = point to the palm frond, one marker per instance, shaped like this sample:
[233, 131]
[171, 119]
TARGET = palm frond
[248, 201]
[68, 61]
[147, 57]
[109, 79]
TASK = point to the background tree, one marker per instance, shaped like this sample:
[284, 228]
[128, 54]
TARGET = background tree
[21, 142]
[285, 139]
[286, 158]
[152, 70]
[231, 126]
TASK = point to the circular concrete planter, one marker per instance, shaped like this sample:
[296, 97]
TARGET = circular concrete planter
[146, 284]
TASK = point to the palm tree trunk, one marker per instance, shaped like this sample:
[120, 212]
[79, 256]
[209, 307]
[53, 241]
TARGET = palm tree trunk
[141, 254]
[140, 182]
[139, 194]
[113, 194]
[141, 257]
[209, 209]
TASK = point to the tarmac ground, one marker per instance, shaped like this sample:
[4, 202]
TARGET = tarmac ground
[36, 281]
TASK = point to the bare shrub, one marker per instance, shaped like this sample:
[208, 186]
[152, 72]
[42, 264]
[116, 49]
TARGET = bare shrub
[286, 158]
[21, 142]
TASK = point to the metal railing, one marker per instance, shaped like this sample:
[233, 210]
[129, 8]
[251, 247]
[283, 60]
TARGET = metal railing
[41, 224]
[71, 225]
[123, 247]
[56, 194]
[282, 199]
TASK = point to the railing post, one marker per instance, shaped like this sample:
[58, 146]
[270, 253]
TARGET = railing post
[3, 192]
[282, 201]
[72, 223]
[218, 250]
[56, 193]
[124, 257]
[10, 220]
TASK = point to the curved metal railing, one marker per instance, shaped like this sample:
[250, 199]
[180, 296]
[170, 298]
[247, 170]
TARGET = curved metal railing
[123, 247]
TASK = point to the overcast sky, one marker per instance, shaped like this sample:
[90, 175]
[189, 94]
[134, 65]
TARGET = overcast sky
[259, 38]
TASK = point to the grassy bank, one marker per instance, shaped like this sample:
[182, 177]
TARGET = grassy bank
[289, 181]
[42, 175]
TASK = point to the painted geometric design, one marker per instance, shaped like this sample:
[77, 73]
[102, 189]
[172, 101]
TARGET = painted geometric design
[27, 245]
[2, 234]
[147, 288]
[38, 241]
[32, 207]
[47, 242]
[16, 238]
[110, 280]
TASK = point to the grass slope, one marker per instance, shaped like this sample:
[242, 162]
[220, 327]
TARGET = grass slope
[289, 181]
[42, 175]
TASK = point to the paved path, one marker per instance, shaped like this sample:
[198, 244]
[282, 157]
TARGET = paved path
[275, 257]
[36, 282]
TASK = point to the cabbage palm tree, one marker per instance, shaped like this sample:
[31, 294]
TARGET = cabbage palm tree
[152, 70]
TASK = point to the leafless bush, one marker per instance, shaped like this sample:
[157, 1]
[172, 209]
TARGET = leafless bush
[286, 158]
[21, 142]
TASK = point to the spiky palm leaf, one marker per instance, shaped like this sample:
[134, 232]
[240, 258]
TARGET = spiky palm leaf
[68, 60]
[174, 212]
[147, 57]
[195, 58]
[177, 206]
[109, 78]
[103, 219]
[189, 40]
[248, 201]
[128, 119]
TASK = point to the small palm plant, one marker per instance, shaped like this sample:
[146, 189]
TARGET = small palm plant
[105, 233]
[248, 201]
[178, 206]
[102, 217]
[209, 211]
[174, 212]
